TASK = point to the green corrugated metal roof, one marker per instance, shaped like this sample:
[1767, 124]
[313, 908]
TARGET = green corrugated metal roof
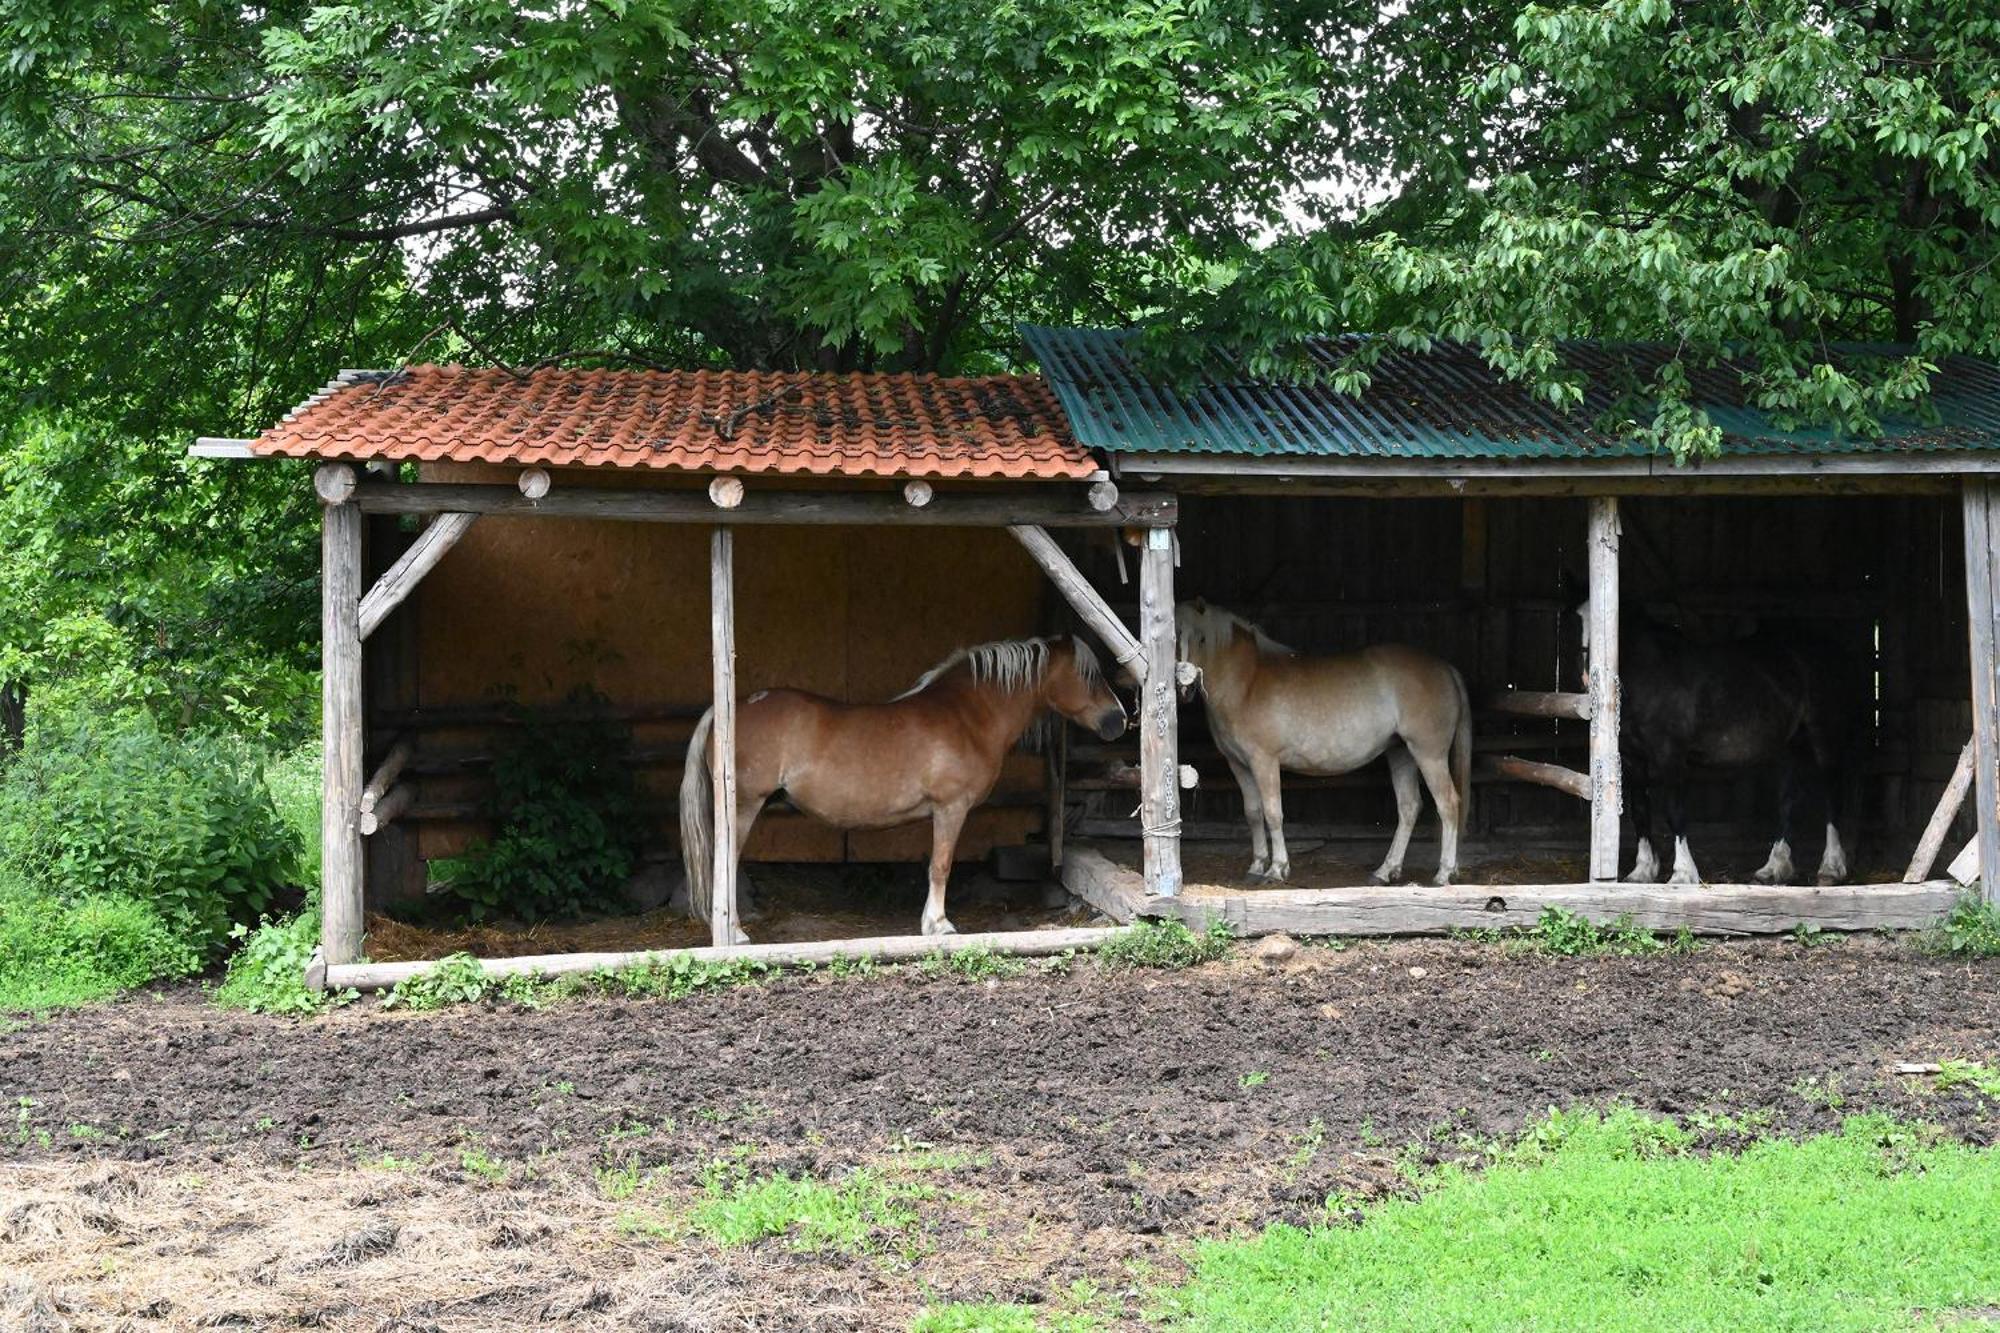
[1448, 403]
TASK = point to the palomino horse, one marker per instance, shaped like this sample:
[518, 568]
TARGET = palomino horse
[1761, 701]
[1271, 709]
[934, 750]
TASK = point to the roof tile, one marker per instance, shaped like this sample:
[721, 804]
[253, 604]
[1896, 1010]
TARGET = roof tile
[995, 426]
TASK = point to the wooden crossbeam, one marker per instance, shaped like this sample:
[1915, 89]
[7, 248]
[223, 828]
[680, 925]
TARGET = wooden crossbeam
[1057, 507]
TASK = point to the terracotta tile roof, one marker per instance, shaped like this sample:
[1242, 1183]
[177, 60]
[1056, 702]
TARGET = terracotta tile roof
[731, 421]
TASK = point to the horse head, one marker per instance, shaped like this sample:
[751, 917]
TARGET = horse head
[1074, 686]
[1218, 644]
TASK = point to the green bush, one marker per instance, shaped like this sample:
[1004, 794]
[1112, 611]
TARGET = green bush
[113, 807]
[1970, 930]
[566, 811]
[267, 971]
[1167, 943]
[55, 953]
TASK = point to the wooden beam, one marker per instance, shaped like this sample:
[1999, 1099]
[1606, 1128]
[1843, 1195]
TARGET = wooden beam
[723, 928]
[1982, 593]
[726, 492]
[386, 773]
[341, 718]
[534, 482]
[1546, 775]
[1711, 909]
[1056, 506]
[1607, 803]
[1538, 703]
[1076, 590]
[882, 949]
[1940, 824]
[1159, 718]
[919, 493]
[401, 579]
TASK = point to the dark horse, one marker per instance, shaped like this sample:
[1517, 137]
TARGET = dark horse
[1762, 701]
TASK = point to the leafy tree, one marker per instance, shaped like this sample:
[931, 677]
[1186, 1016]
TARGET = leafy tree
[1766, 177]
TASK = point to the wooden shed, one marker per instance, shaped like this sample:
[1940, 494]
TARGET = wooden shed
[670, 541]
[1447, 508]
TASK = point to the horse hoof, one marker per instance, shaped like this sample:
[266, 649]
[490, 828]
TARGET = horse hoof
[1827, 881]
[940, 927]
[1686, 881]
[1387, 876]
[1443, 879]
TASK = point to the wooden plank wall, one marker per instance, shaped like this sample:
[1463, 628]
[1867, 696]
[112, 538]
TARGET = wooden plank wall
[1486, 584]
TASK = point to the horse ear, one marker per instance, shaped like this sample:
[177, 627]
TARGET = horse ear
[1200, 605]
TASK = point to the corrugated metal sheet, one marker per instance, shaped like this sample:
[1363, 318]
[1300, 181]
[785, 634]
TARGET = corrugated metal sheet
[1449, 404]
[993, 426]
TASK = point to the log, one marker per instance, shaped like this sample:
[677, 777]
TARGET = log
[1607, 804]
[1538, 703]
[401, 579]
[882, 949]
[722, 643]
[1546, 775]
[1159, 718]
[1052, 507]
[1102, 495]
[392, 766]
[534, 482]
[387, 811]
[1076, 590]
[1107, 886]
[334, 483]
[1711, 909]
[726, 492]
[1982, 594]
[341, 722]
[1947, 810]
[917, 494]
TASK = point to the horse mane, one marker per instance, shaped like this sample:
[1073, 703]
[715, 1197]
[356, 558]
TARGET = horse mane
[1010, 664]
[1212, 620]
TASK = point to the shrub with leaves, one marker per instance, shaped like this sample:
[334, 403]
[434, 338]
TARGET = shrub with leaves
[55, 952]
[267, 971]
[1166, 944]
[180, 824]
[566, 811]
[1971, 929]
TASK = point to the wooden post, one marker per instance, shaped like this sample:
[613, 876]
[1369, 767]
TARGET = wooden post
[1942, 818]
[1159, 721]
[340, 714]
[722, 642]
[1607, 803]
[1982, 571]
[1058, 777]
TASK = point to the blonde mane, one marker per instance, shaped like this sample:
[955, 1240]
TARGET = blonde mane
[1207, 623]
[1010, 664]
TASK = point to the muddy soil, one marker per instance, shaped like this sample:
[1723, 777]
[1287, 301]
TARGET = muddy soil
[1089, 1124]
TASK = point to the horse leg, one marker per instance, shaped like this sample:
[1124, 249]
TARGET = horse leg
[1253, 815]
[1673, 782]
[1436, 769]
[1833, 858]
[1778, 867]
[1638, 784]
[1409, 802]
[1271, 794]
[946, 821]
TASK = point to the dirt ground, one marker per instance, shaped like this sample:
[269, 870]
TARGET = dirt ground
[168, 1165]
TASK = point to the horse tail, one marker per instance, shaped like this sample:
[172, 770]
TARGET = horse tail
[698, 820]
[1461, 750]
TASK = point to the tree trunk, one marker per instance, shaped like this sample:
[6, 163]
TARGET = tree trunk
[13, 717]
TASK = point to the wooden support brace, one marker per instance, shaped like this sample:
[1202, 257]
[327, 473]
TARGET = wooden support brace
[387, 811]
[387, 772]
[1076, 590]
[402, 578]
[341, 865]
[1546, 775]
[722, 641]
[1947, 810]
[1607, 804]
[1982, 594]
[1159, 718]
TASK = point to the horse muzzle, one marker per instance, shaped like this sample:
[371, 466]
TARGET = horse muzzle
[1110, 725]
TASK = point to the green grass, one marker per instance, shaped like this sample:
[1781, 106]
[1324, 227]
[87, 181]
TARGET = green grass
[1170, 943]
[56, 954]
[1614, 1222]
[853, 1215]
[1970, 930]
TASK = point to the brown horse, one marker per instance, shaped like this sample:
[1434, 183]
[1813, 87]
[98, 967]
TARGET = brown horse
[934, 750]
[1271, 709]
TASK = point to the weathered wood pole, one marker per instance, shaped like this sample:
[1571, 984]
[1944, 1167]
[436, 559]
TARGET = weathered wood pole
[1159, 721]
[722, 640]
[1058, 779]
[340, 714]
[401, 579]
[1948, 806]
[1982, 571]
[1607, 802]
